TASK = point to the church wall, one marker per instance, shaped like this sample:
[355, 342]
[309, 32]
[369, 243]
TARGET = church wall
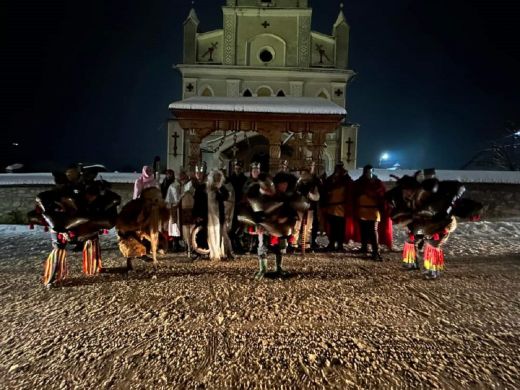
[218, 87]
[323, 50]
[283, 27]
[277, 3]
[210, 46]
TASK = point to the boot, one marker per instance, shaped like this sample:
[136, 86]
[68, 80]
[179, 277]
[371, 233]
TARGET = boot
[279, 270]
[129, 266]
[262, 262]
[376, 256]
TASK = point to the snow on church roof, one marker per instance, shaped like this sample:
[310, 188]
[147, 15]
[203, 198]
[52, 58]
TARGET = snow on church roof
[275, 105]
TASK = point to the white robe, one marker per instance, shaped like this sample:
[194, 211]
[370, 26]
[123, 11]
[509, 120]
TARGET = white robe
[215, 240]
[173, 197]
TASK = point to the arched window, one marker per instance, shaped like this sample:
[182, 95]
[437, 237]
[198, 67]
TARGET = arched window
[264, 91]
[324, 95]
[247, 93]
[206, 92]
[280, 93]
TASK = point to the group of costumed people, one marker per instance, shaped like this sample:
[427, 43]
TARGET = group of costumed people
[75, 211]
[288, 212]
[217, 216]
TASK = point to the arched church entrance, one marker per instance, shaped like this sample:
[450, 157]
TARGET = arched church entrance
[254, 148]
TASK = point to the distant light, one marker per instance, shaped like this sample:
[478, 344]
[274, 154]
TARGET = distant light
[385, 156]
[517, 133]
[15, 144]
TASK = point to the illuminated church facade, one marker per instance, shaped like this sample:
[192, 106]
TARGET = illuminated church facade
[265, 49]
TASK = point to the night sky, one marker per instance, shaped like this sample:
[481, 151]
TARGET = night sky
[91, 81]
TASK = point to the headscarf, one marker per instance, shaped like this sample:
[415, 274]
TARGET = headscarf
[145, 180]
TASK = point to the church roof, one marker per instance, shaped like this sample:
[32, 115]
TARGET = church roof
[278, 105]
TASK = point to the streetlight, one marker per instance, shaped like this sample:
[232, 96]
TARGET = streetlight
[384, 157]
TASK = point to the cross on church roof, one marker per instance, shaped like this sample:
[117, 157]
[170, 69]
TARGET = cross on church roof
[338, 92]
[265, 24]
[190, 87]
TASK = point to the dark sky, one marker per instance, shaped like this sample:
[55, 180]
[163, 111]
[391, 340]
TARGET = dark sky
[91, 81]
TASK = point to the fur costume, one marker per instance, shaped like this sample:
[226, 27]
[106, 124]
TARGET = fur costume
[140, 220]
[272, 206]
[209, 212]
[428, 208]
[75, 211]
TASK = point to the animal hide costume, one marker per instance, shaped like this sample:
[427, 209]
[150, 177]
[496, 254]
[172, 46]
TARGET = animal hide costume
[429, 208]
[209, 212]
[76, 210]
[272, 207]
[139, 222]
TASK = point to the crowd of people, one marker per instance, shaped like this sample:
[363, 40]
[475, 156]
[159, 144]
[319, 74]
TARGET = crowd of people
[220, 216]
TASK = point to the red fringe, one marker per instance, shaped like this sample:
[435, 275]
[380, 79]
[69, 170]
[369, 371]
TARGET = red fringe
[433, 258]
[409, 253]
[91, 257]
[55, 267]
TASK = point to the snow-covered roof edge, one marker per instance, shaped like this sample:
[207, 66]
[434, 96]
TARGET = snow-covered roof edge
[502, 177]
[275, 105]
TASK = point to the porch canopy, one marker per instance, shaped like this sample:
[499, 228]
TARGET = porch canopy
[269, 116]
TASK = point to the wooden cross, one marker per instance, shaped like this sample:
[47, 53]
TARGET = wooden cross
[190, 87]
[349, 143]
[338, 92]
[234, 150]
[265, 24]
[175, 136]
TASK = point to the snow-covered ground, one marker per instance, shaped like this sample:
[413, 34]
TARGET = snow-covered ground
[337, 321]
[470, 239]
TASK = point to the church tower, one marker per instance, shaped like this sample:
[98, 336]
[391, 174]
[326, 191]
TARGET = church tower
[266, 48]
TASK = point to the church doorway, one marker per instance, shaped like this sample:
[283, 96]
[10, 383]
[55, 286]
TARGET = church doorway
[254, 149]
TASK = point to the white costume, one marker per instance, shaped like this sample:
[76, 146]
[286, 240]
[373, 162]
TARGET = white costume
[173, 197]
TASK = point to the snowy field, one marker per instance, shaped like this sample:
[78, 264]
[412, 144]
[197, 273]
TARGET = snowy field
[338, 321]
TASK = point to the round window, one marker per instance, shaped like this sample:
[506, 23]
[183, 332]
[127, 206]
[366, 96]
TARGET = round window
[266, 56]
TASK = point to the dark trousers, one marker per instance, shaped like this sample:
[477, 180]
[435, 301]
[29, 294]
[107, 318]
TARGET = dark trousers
[337, 230]
[369, 235]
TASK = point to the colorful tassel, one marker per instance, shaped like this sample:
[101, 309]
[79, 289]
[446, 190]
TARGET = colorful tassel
[409, 254]
[433, 259]
[55, 267]
[91, 257]
[274, 241]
